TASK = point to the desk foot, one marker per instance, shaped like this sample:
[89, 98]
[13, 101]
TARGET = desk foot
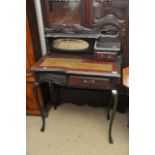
[108, 117]
[115, 97]
[42, 129]
[55, 107]
[43, 125]
[111, 141]
[35, 88]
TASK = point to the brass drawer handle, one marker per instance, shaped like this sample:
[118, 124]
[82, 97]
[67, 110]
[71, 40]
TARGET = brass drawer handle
[89, 81]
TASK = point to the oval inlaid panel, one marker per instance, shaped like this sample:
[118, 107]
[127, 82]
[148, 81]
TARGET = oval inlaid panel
[70, 44]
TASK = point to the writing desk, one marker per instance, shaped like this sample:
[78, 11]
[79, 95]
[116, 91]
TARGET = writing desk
[79, 73]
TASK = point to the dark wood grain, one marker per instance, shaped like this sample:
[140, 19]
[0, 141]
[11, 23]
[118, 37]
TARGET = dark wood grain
[29, 46]
[31, 16]
[117, 8]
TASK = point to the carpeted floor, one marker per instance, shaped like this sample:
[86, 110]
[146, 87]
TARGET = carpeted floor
[77, 130]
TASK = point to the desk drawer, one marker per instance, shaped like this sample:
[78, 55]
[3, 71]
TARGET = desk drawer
[89, 82]
[106, 56]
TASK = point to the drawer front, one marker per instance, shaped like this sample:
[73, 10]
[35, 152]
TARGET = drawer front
[89, 82]
[106, 56]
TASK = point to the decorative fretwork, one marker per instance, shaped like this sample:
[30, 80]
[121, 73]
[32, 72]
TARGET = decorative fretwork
[56, 78]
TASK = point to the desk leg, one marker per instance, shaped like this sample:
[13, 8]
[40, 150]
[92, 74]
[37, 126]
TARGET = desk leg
[115, 97]
[52, 94]
[35, 88]
[109, 107]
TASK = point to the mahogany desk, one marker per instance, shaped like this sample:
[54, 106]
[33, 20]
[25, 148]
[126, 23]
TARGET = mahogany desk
[78, 73]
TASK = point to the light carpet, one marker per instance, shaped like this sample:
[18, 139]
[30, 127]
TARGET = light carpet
[77, 130]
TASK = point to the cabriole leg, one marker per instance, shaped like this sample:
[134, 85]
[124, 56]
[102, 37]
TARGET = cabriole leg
[109, 107]
[35, 90]
[115, 97]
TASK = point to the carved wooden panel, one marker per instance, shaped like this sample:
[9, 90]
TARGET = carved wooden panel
[103, 7]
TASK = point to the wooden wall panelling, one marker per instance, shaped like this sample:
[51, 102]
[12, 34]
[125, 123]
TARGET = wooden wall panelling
[33, 28]
[35, 50]
[27, 61]
[29, 47]
[31, 106]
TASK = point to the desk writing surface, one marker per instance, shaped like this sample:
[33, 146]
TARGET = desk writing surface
[76, 64]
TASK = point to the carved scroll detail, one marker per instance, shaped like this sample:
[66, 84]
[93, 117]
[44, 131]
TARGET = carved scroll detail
[109, 19]
[75, 28]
